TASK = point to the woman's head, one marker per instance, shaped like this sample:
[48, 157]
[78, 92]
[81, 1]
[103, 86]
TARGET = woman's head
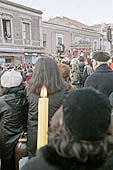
[86, 116]
[75, 67]
[46, 73]
[64, 70]
[88, 61]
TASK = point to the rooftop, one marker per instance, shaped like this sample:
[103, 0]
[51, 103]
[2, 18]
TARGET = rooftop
[69, 23]
[21, 6]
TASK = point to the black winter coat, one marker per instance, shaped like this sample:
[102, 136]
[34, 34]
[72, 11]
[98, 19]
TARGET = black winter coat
[101, 79]
[13, 121]
[55, 101]
[48, 159]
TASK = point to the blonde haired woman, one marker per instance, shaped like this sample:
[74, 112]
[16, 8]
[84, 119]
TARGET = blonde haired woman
[75, 76]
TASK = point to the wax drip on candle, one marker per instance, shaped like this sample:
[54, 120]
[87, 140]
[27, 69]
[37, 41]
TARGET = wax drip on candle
[43, 93]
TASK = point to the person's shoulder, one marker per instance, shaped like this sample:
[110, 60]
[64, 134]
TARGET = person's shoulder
[32, 164]
[90, 80]
[31, 95]
[38, 162]
[89, 67]
[91, 77]
[2, 101]
[108, 165]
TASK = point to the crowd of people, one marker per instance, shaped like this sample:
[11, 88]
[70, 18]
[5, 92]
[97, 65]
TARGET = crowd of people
[80, 113]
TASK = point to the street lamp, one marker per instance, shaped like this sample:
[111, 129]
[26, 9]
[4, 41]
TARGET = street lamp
[109, 38]
[109, 35]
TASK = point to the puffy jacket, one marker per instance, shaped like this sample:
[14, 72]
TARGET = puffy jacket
[55, 101]
[13, 121]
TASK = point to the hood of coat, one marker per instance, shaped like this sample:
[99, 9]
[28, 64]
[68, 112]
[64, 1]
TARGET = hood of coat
[14, 96]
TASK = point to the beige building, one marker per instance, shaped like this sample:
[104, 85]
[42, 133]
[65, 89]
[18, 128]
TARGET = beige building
[20, 33]
[72, 34]
[102, 28]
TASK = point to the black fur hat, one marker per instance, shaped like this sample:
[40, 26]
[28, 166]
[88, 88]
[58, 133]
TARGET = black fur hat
[101, 56]
[87, 114]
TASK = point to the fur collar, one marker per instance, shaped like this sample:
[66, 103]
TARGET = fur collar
[60, 163]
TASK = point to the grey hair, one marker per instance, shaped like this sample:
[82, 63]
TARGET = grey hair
[46, 73]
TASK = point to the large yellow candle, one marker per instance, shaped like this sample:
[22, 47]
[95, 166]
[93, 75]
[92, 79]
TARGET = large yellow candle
[42, 137]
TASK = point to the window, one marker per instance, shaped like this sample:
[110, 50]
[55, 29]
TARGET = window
[26, 31]
[77, 40]
[8, 60]
[59, 39]
[6, 28]
[44, 40]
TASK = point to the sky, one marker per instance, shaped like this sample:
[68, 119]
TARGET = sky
[88, 12]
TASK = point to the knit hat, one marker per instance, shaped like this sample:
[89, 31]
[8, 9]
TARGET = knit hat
[101, 56]
[11, 79]
[87, 114]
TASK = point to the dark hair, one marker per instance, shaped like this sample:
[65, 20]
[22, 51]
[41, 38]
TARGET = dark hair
[46, 73]
[88, 60]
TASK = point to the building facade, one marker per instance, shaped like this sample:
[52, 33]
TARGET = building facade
[73, 35]
[20, 33]
[103, 29]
